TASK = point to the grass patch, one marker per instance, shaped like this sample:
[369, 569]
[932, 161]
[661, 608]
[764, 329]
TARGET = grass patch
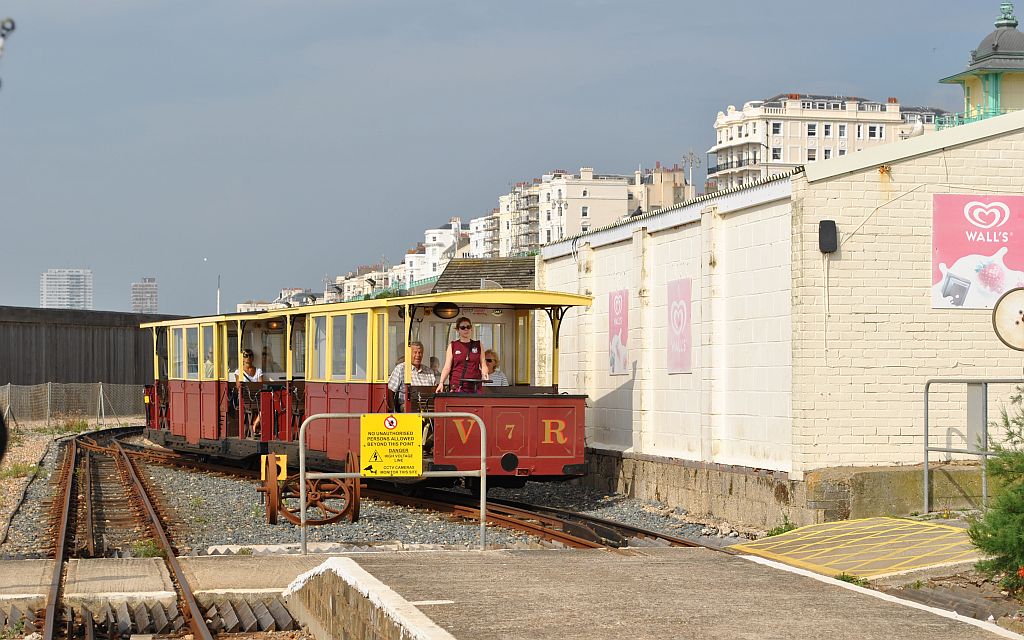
[857, 580]
[245, 551]
[147, 548]
[19, 470]
[782, 528]
[72, 423]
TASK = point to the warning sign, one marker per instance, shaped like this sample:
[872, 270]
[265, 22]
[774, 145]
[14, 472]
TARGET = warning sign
[391, 445]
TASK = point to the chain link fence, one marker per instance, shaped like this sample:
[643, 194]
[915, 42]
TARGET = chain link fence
[72, 404]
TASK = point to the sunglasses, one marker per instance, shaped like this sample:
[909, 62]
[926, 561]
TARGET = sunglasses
[464, 327]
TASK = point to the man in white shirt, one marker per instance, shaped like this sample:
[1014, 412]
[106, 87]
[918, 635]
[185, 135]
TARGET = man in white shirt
[422, 376]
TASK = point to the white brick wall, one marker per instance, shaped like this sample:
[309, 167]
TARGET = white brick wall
[859, 374]
[735, 406]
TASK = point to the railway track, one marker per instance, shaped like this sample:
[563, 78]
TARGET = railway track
[89, 472]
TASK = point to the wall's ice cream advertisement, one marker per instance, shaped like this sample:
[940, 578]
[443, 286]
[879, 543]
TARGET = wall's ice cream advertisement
[976, 249]
[618, 332]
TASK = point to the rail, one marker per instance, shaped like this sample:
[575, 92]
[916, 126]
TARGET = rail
[482, 473]
[977, 427]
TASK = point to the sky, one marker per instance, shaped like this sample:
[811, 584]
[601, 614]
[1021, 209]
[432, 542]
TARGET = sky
[274, 143]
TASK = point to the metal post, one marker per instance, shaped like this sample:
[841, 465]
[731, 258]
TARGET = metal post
[48, 385]
[926, 386]
[984, 447]
[103, 408]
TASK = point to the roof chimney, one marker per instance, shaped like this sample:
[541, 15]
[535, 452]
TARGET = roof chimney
[893, 101]
[657, 164]
[586, 173]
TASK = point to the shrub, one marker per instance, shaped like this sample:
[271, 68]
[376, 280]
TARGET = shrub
[19, 470]
[846, 577]
[147, 548]
[998, 533]
[782, 528]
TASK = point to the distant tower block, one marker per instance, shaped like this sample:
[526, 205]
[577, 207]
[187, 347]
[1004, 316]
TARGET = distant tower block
[145, 296]
[65, 289]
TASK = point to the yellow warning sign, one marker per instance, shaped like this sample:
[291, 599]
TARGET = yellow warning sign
[391, 445]
[282, 466]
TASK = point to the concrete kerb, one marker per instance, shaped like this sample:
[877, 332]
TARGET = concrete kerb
[409, 622]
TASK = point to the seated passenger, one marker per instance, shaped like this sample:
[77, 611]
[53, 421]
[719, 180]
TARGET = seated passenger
[464, 361]
[422, 376]
[498, 378]
[248, 372]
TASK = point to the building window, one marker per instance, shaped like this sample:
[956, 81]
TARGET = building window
[549, 215]
[876, 131]
[860, 132]
[549, 235]
[559, 194]
[842, 152]
[828, 154]
[584, 195]
[827, 130]
[584, 212]
[776, 128]
[812, 155]
[812, 129]
[807, 104]
[548, 194]
[753, 128]
[929, 118]
[586, 227]
[842, 131]
[777, 153]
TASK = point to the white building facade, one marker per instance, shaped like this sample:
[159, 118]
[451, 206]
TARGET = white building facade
[773, 136]
[66, 289]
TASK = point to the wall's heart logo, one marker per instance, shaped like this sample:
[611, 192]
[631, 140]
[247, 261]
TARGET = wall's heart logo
[986, 216]
[679, 314]
[617, 305]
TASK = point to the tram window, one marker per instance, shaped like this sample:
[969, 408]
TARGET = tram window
[339, 344]
[396, 342]
[273, 353]
[380, 370]
[299, 348]
[192, 352]
[318, 355]
[523, 349]
[232, 353]
[209, 371]
[360, 342]
[177, 349]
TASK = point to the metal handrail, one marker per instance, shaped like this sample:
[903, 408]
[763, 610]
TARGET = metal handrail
[984, 452]
[482, 473]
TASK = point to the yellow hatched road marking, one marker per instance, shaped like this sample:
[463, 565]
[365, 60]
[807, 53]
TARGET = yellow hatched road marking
[866, 547]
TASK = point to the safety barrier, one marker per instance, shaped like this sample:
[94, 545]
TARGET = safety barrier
[54, 401]
[482, 473]
[977, 427]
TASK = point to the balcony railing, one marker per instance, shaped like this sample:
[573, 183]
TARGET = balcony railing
[732, 164]
[956, 119]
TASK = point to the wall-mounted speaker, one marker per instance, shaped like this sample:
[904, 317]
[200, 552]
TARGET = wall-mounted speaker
[828, 236]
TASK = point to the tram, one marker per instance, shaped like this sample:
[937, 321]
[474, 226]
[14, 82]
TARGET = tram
[338, 357]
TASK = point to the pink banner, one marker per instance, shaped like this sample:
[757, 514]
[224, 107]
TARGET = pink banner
[680, 345]
[975, 257]
[618, 332]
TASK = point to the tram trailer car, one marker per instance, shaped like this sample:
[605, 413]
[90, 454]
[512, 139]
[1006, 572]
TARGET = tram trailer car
[337, 358]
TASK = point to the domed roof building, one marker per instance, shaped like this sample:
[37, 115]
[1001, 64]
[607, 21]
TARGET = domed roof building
[994, 80]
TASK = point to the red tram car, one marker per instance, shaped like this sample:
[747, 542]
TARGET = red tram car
[338, 358]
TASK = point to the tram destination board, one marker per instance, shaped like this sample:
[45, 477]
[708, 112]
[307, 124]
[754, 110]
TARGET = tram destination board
[391, 444]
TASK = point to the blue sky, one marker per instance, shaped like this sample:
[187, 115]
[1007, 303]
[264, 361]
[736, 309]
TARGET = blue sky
[284, 141]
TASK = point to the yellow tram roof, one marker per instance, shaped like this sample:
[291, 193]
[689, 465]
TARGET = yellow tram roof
[498, 298]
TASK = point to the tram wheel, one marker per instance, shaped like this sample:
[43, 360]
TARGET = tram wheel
[327, 501]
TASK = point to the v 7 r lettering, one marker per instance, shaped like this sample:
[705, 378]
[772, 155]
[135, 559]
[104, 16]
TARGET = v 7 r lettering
[554, 428]
[464, 431]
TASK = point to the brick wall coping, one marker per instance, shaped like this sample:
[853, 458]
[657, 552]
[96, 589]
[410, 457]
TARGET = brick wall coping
[691, 464]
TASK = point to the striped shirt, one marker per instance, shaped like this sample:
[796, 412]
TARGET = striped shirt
[422, 376]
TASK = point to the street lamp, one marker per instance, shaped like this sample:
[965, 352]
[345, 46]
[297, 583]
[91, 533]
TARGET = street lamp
[218, 288]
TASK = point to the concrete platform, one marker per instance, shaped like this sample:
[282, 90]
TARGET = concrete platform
[25, 583]
[244, 577]
[869, 547]
[602, 595]
[116, 580]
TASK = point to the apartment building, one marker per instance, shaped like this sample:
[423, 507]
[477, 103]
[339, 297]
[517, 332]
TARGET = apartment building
[569, 204]
[65, 289]
[145, 296]
[774, 135]
[439, 245]
[659, 188]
